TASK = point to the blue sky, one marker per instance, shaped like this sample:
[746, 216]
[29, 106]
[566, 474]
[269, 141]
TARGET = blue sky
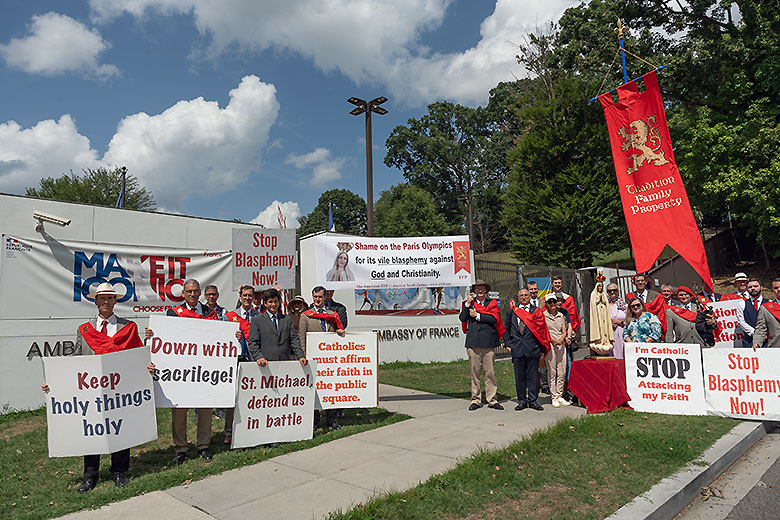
[224, 109]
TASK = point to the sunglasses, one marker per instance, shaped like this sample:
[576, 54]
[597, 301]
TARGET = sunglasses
[636, 306]
[612, 290]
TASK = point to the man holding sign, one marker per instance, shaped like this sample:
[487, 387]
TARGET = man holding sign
[272, 335]
[105, 334]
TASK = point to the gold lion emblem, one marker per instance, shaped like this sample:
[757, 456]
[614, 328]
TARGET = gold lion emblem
[647, 140]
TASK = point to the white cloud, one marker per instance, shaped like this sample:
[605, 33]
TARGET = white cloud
[324, 168]
[58, 44]
[48, 149]
[369, 41]
[196, 146]
[269, 217]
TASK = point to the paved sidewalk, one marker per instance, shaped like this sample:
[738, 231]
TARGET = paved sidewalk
[311, 483]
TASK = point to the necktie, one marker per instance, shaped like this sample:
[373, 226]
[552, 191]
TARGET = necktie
[642, 297]
[322, 322]
[104, 328]
[755, 304]
[276, 325]
[246, 315]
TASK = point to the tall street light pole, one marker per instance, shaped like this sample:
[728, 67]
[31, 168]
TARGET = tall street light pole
[367, 107]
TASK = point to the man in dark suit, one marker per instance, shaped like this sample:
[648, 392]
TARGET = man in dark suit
[339, 308]
[482, 323]
[272, 336]
[710, 295]
[92, 338]
[526, 351]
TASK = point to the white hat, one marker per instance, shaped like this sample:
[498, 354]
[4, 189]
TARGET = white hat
[105, 288]
[551, 297]
[740, 276]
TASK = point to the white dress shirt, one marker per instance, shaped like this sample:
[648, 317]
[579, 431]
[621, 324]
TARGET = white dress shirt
[111, 325]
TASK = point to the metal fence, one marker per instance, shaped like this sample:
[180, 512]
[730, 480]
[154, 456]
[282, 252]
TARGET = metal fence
[504, 278]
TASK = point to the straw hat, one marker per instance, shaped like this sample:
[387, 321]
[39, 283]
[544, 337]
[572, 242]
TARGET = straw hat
[480, 281]
[104, 289]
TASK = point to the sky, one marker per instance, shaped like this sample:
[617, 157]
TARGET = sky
[227, 109]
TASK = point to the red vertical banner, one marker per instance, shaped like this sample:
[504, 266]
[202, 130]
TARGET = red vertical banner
[460, 249]
[654, 199]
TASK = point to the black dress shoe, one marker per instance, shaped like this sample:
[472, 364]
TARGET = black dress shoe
[179, 458]
[473, 406]
[120, 479]
[522, 405]
[496, 406]
[206, 454]
[535, 406]
[87, 484]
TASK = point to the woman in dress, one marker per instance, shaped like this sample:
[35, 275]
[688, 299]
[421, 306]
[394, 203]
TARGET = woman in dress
[617, 311]
[340, 271]
[644, 326]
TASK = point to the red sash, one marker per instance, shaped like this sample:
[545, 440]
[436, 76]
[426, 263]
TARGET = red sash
[125, 338]
[658, 307]
[186, 313]
[773, 308]
[731, 297]
[331, 317]
[242, 323]
[684, 313]
[571, 308]
[491, 309]
[537, 324]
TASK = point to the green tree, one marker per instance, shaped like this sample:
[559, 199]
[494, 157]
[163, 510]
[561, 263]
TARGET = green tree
[349, 214]
[100, 186]
[457, 154]
[405, 210]
[562, 205]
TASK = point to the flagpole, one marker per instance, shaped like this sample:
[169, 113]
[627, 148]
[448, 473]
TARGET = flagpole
[619, 31]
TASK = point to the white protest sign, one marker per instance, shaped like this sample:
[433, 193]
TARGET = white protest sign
[726, 313]
[195, 362]
[742, 383]
[99, 404]
[264, 258]
[665, 378]
[346, 369]
[274, 403]
[380, 263]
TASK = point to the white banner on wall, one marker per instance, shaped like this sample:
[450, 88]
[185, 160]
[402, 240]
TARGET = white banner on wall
[730, 332]
[378, 263]
[99, 404]
[665, 378]
[743, 384]
[274, 403]
[264, 258]
[195, 362]
[346, 369]
[149, 280]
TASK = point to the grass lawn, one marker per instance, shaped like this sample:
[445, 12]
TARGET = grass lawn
[452, 379]
[33, 486]
[584, 468]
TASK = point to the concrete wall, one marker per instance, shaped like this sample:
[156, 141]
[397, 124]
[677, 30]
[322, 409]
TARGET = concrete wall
[20, 340]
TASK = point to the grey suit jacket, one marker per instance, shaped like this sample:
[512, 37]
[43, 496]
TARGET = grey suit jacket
[311, 325]
[680, 330]
[767, 323]
[81, 348]
[265, 342]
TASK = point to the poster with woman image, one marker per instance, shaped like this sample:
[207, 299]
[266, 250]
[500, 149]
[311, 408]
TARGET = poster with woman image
[409, 301]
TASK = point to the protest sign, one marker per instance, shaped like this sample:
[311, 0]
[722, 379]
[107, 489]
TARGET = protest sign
[195, 362]
[99, 404]
[742, 383]
[148, 279]
[264, 258]
[347, 369]
[274, 403]
[380, 263]
[665, 378]
[730, 332]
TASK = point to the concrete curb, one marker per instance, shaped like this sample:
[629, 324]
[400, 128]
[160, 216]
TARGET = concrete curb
[670, 496]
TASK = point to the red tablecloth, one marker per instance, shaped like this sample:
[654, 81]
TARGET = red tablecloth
[600, 385]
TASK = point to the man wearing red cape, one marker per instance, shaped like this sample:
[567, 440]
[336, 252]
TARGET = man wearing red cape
[105, 334]
[526, 334]
[481, 322]
[681, 320]
[768, 325]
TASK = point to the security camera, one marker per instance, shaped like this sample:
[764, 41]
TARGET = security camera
[42, 217]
